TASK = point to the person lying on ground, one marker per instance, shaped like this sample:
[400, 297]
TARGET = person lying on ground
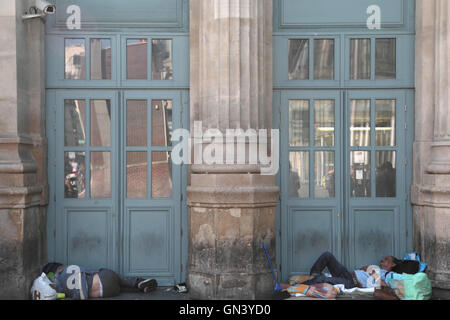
[78, 282]
[340, 274]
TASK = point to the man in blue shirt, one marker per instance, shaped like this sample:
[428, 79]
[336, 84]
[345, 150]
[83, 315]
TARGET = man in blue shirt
[340, 274]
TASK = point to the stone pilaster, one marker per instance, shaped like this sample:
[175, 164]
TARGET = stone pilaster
[231, 206]
[22, 151]
[431, 185]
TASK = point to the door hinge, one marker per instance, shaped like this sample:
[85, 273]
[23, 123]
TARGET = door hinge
[406, 108]
[181, 267]
[54, 234]
[279, 267]
[181, 232]
[181, 196]
[406, 126]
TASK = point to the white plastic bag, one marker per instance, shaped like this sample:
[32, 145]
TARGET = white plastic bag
[41, 289]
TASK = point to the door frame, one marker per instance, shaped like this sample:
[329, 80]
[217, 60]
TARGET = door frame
[56, 232]
[404, 136]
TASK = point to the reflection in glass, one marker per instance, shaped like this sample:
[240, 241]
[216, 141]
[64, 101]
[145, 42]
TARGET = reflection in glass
[324, 123]
[385, 123]
[161, 175]
[360, 123]
[161, 123]
[100, 59]
[100, 123]
[324, 59]
[100, 175]
[75, 59]
[299, 174]
[74, 122]
[74, 174]
[136, 174]
[137, 65]
[386, 177]
[360, 174]
[162, 68]
[385, 59]
[298, 59]
[324, 174]
[136, 123]
[299, 123]
[360, 59]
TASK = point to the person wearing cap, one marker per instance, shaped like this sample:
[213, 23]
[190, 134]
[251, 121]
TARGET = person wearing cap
[81, 283]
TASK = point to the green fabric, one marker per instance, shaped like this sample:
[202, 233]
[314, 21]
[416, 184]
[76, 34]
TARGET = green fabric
[417, 287]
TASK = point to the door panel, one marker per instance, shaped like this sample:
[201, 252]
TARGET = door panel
[345, 172]
[152, 185]
[85, 158]
[311, 196]
[118, 195]
[376, 174]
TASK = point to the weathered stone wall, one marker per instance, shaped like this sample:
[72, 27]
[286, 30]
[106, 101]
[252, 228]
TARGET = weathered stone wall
[23, 151]
[431, 178]
[231, 206]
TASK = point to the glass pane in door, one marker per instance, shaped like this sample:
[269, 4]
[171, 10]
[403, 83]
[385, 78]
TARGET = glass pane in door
[360, 174]
[386, 174]
[299, 123]
[386, 59]
[298, 59]
[385, 122]
[299, 174]
[360, 59]
[324, 183]
[137, 57]
[136, 174]
[136, 123]
[162, 123]
[324, 123]
[100, 123]
[100, 175]
[324, 59]
[359, 123]
[161, 175]
[74, 122]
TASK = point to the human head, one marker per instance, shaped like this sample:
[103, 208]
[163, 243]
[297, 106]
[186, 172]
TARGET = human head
[51, 267]
[388, 262]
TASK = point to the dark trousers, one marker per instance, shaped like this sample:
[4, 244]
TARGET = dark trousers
[114, 283]
[339, 274]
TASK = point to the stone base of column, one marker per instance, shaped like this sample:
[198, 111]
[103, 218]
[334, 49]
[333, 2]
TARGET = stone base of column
[432, 226]
[22, 250]
[232, 211]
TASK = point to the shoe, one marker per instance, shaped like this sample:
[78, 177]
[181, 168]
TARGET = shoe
[147, 285]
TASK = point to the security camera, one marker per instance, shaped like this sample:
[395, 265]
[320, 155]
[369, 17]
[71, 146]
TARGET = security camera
[39, 10]
[45, 7]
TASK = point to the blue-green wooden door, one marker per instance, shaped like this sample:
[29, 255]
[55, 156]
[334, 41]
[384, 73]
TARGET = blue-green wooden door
[117, 87]
[344, 176]
[118, 195]
[343, 101]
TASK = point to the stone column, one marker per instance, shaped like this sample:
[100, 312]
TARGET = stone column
[431, 185]
[231, 206]
[22, 151]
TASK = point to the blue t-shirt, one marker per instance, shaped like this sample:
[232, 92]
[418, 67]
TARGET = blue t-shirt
[362, 276]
